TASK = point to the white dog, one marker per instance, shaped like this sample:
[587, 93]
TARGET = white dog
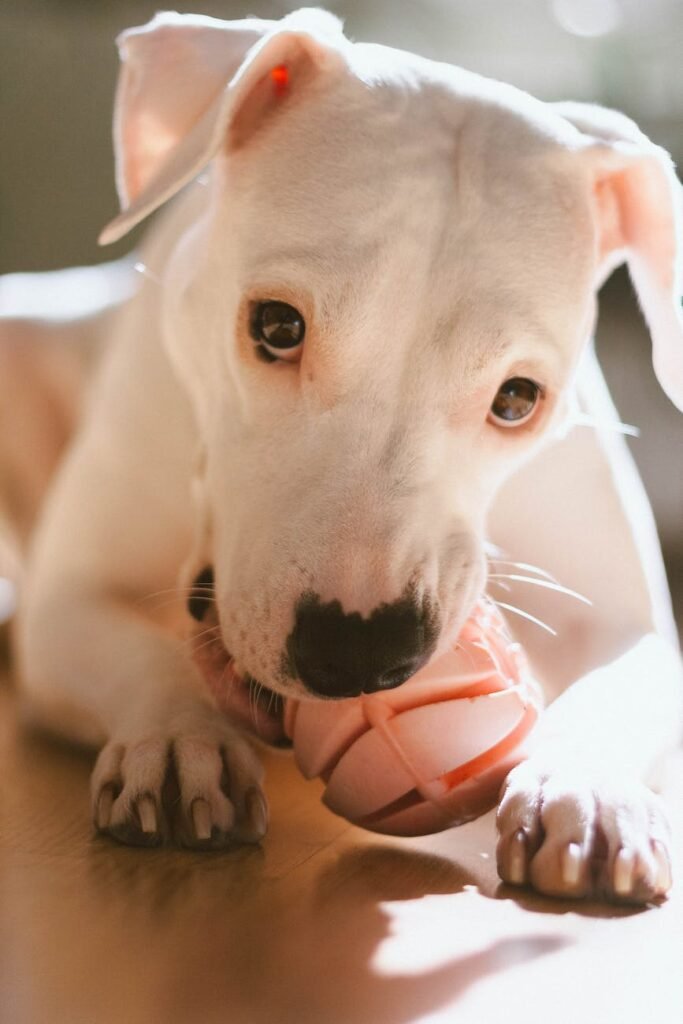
[359, 349]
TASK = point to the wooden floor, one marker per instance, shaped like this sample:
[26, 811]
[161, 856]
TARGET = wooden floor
[323, 924]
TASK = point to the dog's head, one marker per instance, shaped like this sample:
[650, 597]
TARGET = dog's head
[377, 311]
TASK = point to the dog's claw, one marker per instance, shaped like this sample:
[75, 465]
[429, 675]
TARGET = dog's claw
[257, 812]
[572, 858]
[201, 818]
[664, 880]
[148, 815]
[517, 858]
[624, 868]
[104, 806]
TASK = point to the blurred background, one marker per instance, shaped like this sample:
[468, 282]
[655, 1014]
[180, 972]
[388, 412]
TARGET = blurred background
[58, 68]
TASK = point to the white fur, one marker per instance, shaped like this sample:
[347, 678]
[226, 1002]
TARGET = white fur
[440, 233]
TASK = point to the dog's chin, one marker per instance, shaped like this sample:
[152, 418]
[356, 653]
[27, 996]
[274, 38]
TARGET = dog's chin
[239, 696]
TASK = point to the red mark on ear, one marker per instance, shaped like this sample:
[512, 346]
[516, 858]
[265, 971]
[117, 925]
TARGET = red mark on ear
[280, 77]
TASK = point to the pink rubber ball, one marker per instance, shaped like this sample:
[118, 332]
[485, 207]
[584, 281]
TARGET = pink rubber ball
[432, 753]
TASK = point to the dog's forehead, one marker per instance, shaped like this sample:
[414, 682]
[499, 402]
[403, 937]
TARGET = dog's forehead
[407, 156]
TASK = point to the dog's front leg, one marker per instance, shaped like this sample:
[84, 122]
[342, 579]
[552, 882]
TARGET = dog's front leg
[97, 662]
[577, 819]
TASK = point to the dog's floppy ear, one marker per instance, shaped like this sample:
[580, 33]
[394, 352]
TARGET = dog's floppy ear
[188, 83]
[639, 208]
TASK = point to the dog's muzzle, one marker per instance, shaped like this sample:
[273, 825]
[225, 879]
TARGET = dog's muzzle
[335, 654]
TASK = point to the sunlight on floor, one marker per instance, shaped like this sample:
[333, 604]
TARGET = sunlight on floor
[432, 932]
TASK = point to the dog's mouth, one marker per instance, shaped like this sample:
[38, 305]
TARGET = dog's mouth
[239, 695]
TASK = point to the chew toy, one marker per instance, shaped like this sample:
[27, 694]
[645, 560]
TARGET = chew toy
[433, 752]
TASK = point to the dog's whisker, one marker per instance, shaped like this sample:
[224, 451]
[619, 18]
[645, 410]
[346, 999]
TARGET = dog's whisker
[466, 649]
[524, 566]
[226, 668]
[176, 592]
[143, 269]
[271, 701]
[221, 679]
[206, 643]
[584, 420]
[255, 690]
[213, 628]
[180, 600]
[546, 584]
[525, 615]
[162, 593]
[203, 632]
[499, 583]
[194, 647]
[259, 691]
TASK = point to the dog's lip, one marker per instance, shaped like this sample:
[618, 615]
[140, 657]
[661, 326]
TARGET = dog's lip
[240, 696]
[255, 706]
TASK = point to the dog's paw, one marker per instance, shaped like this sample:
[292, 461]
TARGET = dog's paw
[572, 836]
[194, 783]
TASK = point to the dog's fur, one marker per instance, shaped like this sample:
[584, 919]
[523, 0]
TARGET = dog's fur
[440, 233]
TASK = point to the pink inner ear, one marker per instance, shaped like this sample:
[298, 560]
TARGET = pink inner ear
[281, 82]
[145, 144]
[610, 231]
[173, 69]
[648, 219]
[638, 215]
[632, 215]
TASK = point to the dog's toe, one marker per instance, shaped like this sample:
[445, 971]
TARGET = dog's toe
[196, 787]
[221, 801]
[128, 791]
[572, 837]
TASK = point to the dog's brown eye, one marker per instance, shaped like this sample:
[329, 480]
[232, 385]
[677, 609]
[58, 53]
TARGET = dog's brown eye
[278, 328]
[515, 402]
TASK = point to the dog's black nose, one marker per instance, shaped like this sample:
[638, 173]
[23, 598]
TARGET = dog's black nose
[336, 654]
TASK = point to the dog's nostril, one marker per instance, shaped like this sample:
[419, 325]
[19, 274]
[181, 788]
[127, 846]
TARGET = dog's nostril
[394, 677]
[201, 594]
[327, 681]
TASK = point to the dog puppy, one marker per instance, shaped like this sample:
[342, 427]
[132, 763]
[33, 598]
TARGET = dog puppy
[358, 352]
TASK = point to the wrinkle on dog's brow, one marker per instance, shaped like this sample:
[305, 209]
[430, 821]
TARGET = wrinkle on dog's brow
[453, 328]
[460, 329]
[449, 328]
[313, 259]
[327, 261]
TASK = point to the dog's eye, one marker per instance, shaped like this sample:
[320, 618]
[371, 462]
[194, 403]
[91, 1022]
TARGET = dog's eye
[278, 329]
[516, 400]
